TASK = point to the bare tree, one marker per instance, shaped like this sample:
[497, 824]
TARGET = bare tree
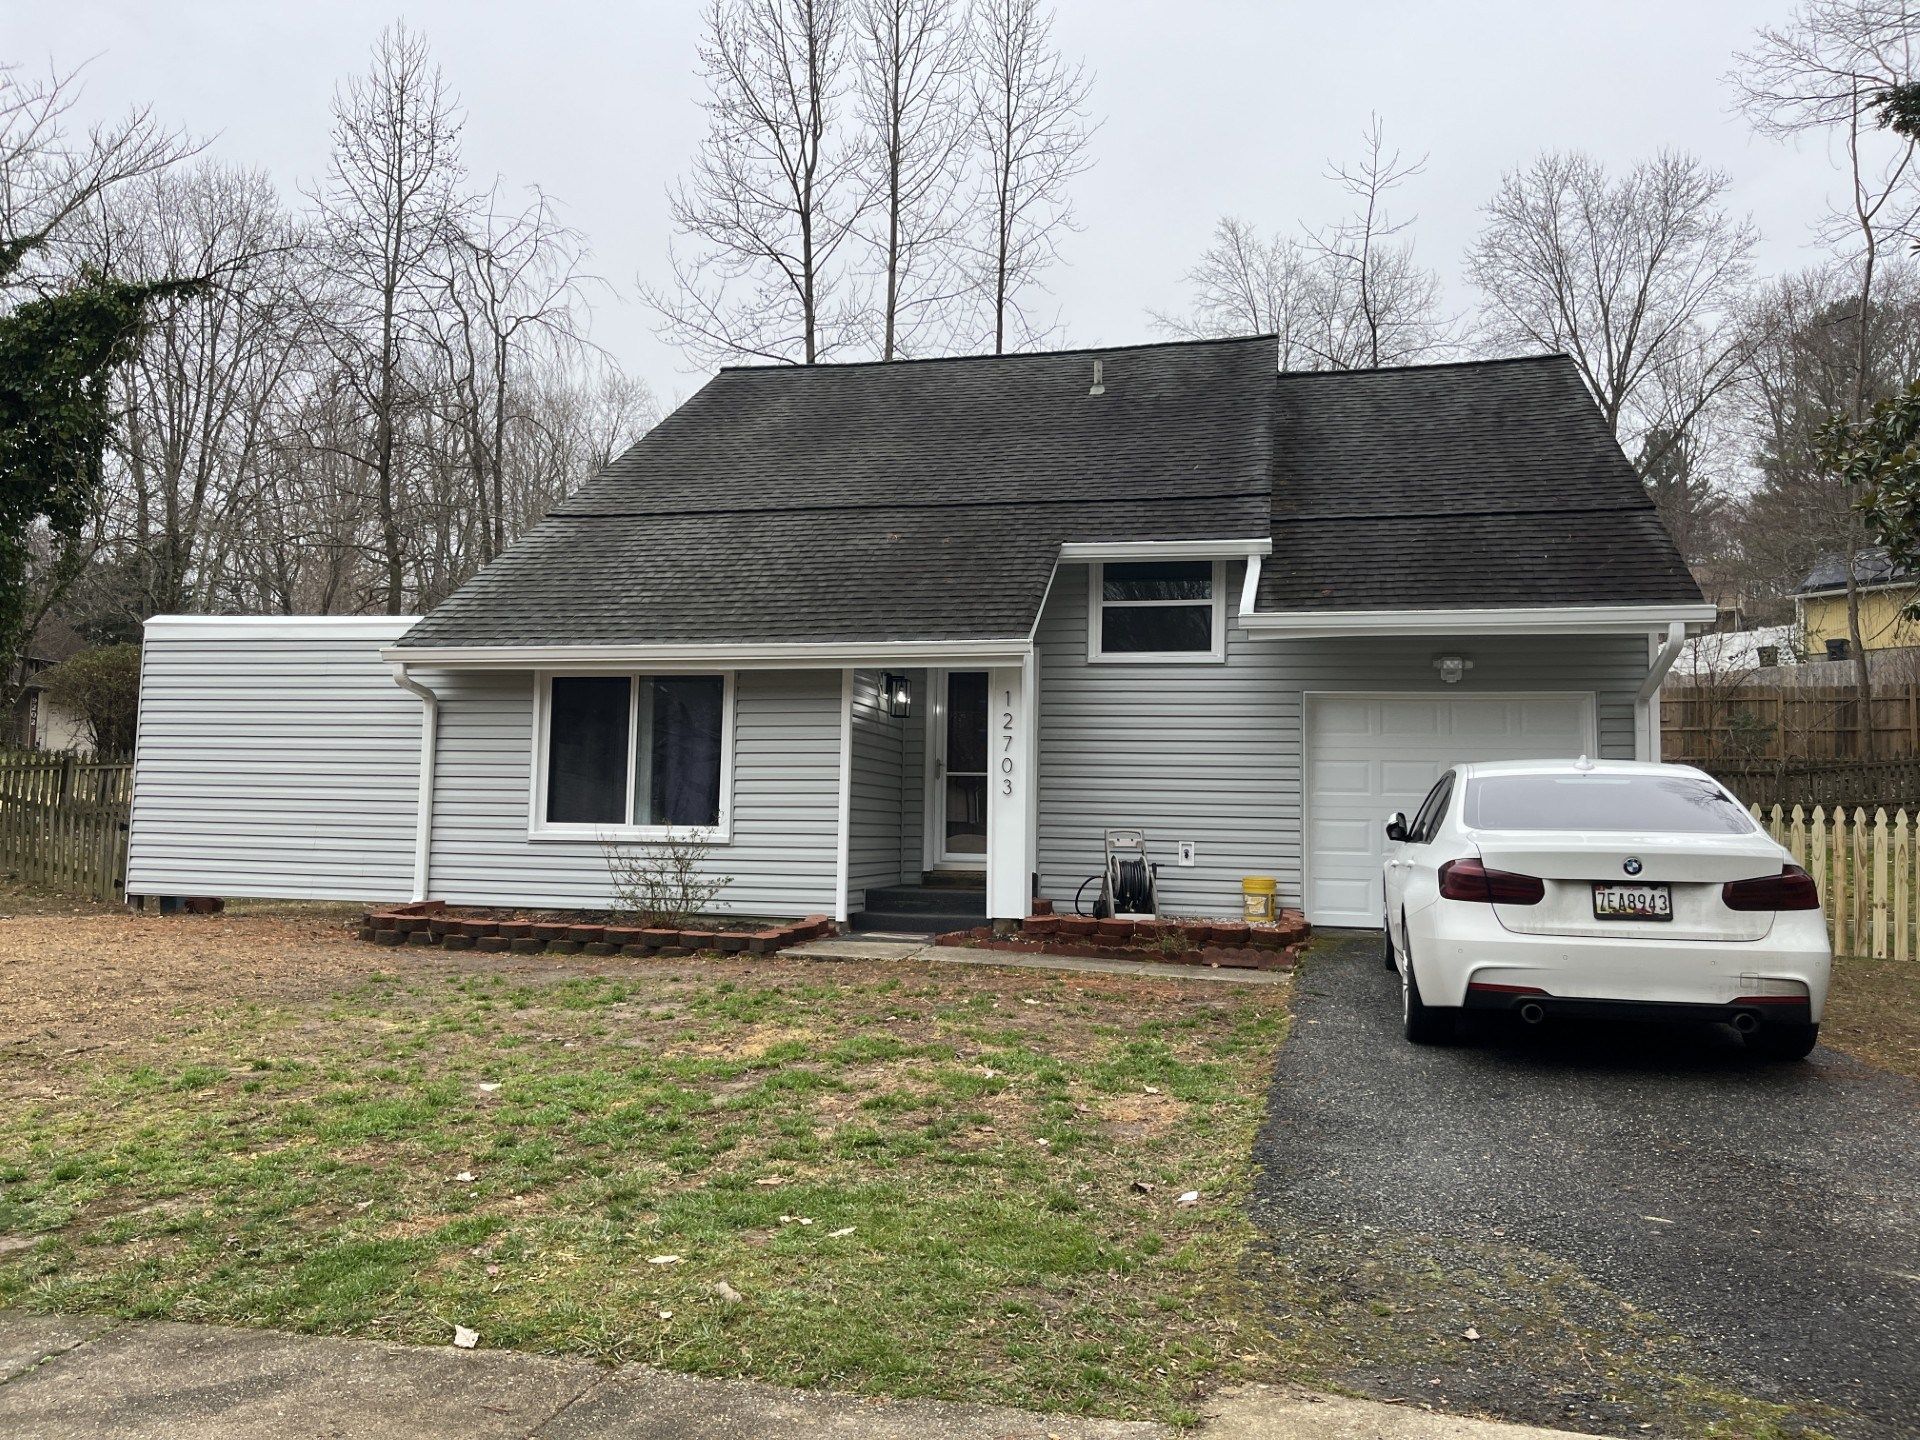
[1373, 303]
[911, 64]
[49, 173]
[201, 397]
[1031, 129]
[1244, 285]
[1831, 70]
[512, 287]
[1639, 279]
[775, 190]
[385, 212]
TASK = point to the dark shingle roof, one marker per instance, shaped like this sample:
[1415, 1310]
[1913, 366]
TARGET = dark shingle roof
[1484, 483]
[1871, 566]
[927, 500]
[920, 500]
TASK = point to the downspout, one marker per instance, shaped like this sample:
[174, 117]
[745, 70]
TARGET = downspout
[1645, 717]
[429, 745]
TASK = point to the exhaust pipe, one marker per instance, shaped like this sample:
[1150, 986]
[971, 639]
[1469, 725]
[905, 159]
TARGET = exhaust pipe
[1746, 1022]
[1533, 1012]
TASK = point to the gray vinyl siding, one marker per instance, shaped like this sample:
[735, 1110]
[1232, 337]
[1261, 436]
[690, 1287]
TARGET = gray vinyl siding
[786, 788]
[1212, 752]
[273, 763]
[875, 816]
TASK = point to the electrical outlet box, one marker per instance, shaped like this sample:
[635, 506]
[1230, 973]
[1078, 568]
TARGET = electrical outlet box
[1186, 852]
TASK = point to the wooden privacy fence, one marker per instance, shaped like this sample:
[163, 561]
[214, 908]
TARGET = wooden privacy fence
[63, 822]
[1701, 724]
[1864, 866]
[1848, 784]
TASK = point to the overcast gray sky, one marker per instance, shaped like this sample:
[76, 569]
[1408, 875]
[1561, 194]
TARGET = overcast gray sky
[1210, 107]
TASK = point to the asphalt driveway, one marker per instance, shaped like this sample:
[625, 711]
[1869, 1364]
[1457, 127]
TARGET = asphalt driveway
[1628, 1231]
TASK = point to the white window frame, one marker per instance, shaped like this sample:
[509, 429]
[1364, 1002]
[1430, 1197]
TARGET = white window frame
[540, 828]
[1097, 605]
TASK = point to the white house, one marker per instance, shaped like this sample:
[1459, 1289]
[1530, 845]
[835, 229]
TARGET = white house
[865, 623]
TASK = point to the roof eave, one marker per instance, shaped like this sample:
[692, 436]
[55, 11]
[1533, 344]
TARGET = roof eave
[1490, 620]
[1008, 650]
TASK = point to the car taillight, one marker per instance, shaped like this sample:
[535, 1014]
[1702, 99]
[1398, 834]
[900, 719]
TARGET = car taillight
[1791, 889]
[1470, 880]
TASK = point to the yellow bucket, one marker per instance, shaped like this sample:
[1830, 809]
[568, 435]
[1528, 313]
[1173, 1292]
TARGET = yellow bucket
[1258, 892]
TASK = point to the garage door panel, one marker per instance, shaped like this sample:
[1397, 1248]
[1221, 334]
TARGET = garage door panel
[1412, 720]
[1405, 777]
[1367, 757]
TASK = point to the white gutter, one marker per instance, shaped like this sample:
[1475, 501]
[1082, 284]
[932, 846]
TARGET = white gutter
[1075, 550]
[1514, 620]
[980, 654]
[429, 744]
[1647, 743]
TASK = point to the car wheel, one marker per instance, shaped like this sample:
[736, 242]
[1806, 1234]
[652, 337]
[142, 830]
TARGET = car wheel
[1420, 1022]
[1387, 955]
[1784, 1041]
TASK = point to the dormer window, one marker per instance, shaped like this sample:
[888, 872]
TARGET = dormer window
[1169, 611]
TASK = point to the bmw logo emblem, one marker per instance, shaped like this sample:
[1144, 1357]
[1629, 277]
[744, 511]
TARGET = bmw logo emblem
[1631, 865]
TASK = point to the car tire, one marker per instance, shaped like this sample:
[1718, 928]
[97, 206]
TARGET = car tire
[1784, 1041]
[1421, 1023]
[1387, 953]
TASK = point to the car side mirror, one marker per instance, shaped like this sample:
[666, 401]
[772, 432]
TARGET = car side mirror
[1397, 826]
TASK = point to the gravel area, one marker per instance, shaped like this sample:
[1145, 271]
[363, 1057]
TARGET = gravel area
[1644, 1228]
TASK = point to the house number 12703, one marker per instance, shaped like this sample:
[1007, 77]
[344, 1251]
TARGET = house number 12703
[1006, 740]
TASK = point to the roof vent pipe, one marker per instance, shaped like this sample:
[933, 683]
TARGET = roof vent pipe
[1098, 387]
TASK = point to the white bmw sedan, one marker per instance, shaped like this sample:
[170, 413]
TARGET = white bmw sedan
[1607, 889]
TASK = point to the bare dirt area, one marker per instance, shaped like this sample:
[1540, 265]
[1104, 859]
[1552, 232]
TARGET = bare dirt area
[88, 974]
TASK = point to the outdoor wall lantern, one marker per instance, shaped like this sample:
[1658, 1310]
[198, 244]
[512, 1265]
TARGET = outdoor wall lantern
[899, 693]
[1451, 668]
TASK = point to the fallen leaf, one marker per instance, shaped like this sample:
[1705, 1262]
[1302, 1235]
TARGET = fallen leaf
[465, 1177]
[770, 1180]
[465, 1339]
[666, 1314]
[493, 1269]
[727, 1293]
[1188, 1200]
[1470, 1333]
[841, 1233]
[1142, 1187]
[663, 1260]
[1151, 1089]
[487, 1087]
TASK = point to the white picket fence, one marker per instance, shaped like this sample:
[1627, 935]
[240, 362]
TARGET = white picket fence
[1864, 866]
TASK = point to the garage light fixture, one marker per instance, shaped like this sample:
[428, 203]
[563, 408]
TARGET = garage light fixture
[898, 690]
[1451, 668]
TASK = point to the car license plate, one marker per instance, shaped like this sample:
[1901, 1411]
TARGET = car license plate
[1632, 902]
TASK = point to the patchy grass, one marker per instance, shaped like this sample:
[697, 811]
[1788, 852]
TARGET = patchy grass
[918, 1182]
[1873, 1012]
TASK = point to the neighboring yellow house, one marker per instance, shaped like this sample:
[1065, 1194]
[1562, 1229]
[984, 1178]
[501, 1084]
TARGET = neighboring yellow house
[1820, 606]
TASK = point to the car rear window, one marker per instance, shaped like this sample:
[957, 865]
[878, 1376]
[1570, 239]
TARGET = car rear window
[1671, 803]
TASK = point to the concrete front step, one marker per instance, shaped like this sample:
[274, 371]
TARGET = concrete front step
[914, 922]
[930, 899]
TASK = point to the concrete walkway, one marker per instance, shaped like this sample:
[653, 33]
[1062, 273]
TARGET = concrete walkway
[64, 1378]
[857, 947]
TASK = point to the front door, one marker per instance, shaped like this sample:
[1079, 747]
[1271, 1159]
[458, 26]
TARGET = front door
[959, 772]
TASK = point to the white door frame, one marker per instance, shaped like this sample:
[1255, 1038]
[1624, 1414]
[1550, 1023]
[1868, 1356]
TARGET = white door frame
[1590, 711]
[934, 839]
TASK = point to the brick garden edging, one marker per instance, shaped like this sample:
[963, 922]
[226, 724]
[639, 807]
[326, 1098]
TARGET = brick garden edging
[429, 922]
[1233, 944]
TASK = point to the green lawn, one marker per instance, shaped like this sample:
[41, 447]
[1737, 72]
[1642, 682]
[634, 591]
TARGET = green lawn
[916, 1182]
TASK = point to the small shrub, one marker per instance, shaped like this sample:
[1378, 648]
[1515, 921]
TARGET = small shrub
[664, 882]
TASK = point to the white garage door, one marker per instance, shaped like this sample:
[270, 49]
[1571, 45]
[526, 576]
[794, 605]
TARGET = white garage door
[1367, 756]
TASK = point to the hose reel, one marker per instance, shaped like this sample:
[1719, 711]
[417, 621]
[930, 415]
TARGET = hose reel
[1129, 881]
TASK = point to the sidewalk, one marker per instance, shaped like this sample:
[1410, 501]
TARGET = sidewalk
[65, 1378]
